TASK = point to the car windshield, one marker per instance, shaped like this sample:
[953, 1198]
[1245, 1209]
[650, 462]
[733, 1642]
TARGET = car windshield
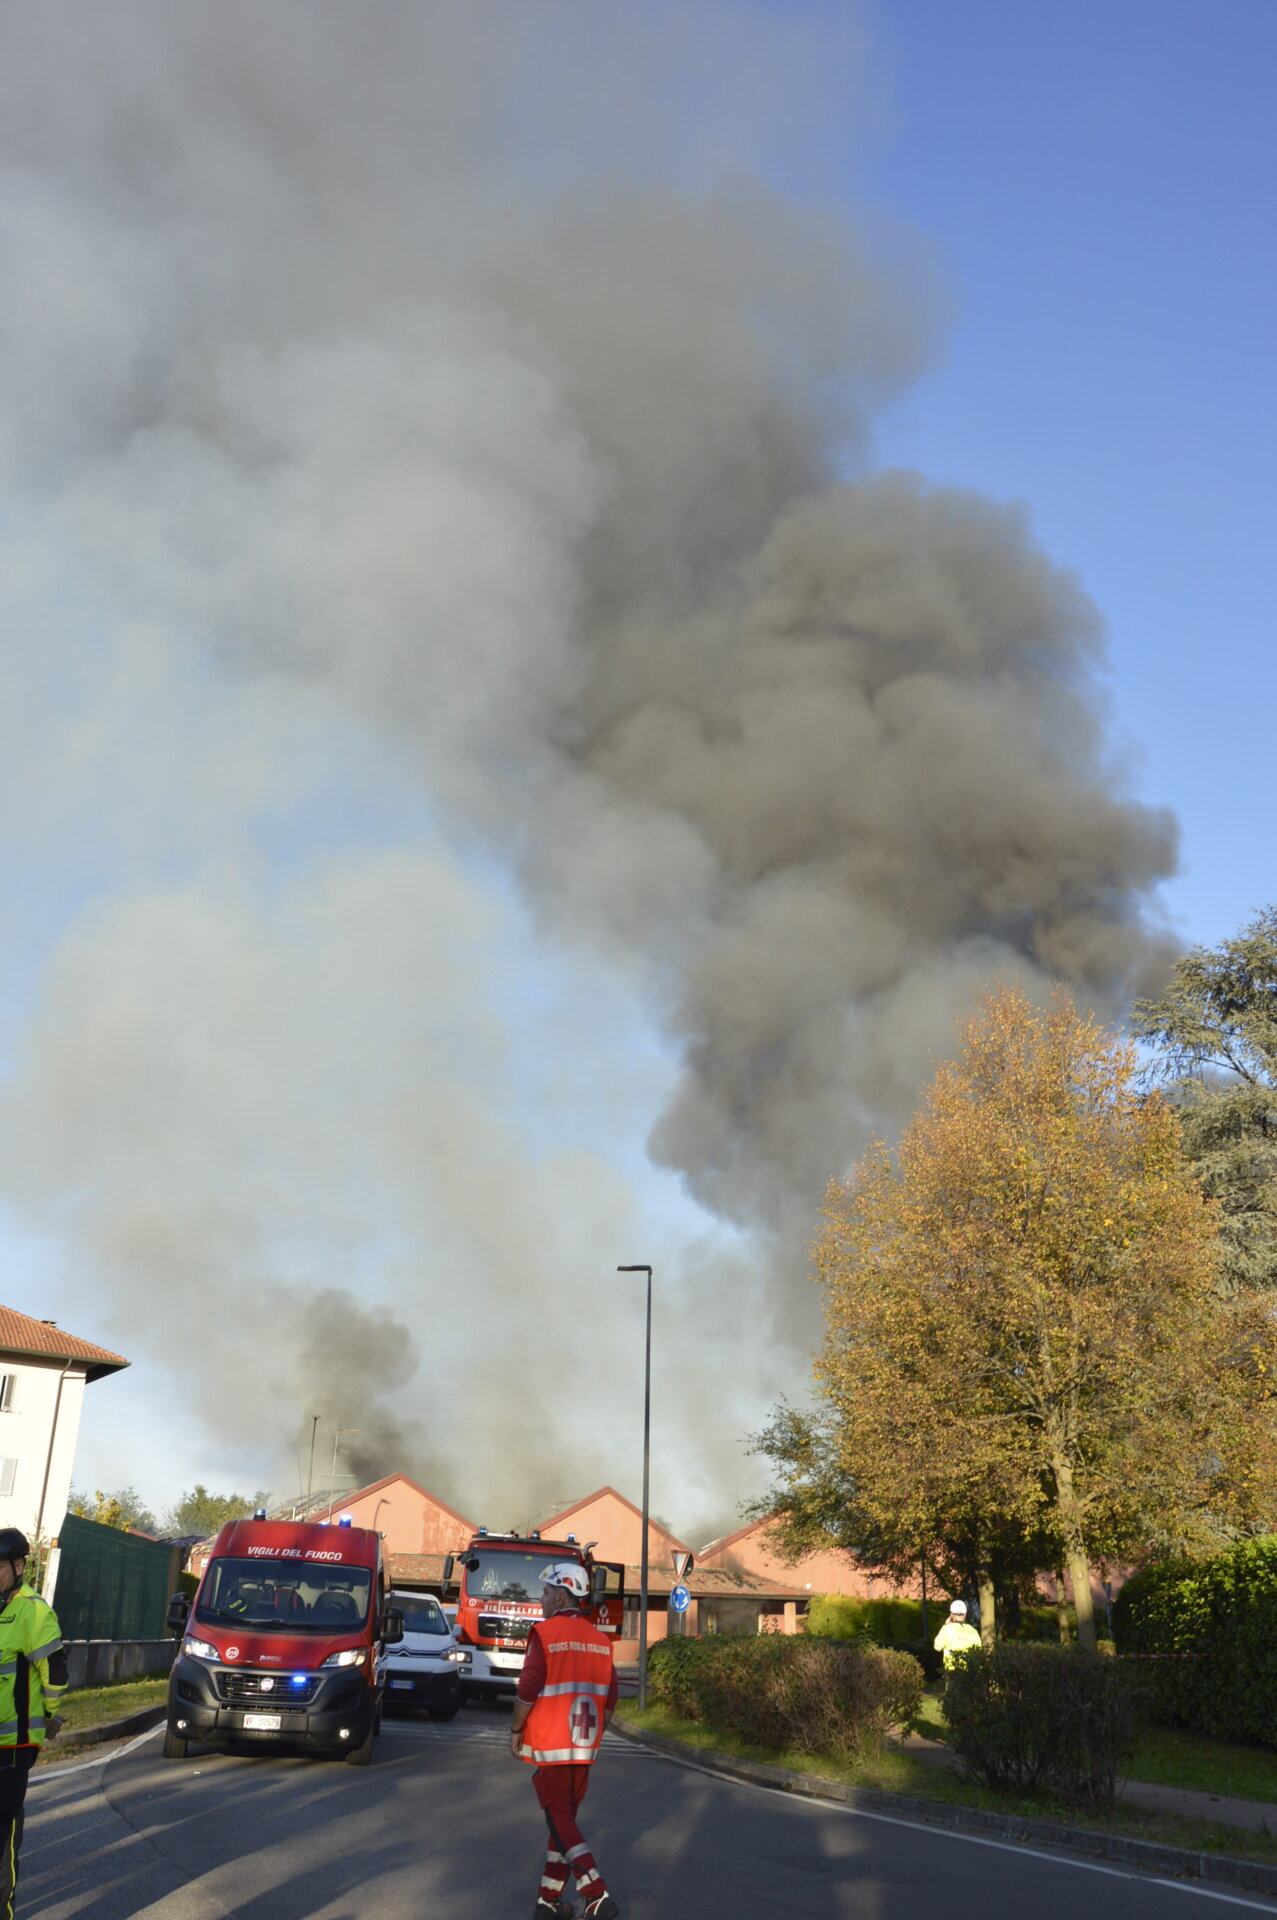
[420, 1613]
[293, 1596]
[492, 1575]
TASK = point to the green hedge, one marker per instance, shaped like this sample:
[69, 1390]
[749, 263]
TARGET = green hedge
[788, 1693]
[1212, 1625]
[1026, 1718]
[889, 1623]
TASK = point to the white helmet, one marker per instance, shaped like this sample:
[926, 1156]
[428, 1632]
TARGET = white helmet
[568, 1575]
[959, 1607]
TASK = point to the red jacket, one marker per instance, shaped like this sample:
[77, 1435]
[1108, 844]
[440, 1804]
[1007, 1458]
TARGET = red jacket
[569, 1671]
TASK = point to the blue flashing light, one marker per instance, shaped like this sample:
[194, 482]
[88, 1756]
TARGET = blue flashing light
[344, 1520]
[483, 1533]
[300, 1679]
[572, 1539]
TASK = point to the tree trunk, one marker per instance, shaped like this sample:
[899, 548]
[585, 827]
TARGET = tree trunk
[988, 1611]
[1083, 1605]
[1075, 1558]
[1062, 1610]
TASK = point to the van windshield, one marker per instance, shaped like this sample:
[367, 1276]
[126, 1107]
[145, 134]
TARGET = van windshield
[507, 1576]
[291, 1596]
[420, 1613]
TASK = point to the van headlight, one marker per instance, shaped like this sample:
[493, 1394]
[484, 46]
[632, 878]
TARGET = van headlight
[200, 1650]
[348, 1657]
[460, 1655]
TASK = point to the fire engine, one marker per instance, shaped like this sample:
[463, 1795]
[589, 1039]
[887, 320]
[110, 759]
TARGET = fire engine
[500, 1598]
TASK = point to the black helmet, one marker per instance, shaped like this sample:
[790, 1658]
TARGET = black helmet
[13, 1545]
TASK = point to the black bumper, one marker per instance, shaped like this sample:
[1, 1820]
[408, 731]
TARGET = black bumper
[421, 1689]
[335, 1701]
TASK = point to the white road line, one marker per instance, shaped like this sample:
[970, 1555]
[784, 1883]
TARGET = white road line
[38, 1779]
[972, 1839]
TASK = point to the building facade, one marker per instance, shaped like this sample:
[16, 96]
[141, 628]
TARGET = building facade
[43, 1375]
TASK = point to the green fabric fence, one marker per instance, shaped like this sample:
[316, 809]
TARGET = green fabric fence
[112, 1585]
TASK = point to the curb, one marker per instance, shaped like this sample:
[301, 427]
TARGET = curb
[1150, 1855]
[72, 1741]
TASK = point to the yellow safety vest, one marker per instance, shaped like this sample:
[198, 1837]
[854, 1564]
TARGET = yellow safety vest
[29, 1638]
[956, 1637]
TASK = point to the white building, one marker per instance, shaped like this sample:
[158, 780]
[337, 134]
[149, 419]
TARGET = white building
[43, 1374]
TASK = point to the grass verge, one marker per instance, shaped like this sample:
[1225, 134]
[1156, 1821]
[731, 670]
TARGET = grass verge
[893, 1771]
[95, 1706]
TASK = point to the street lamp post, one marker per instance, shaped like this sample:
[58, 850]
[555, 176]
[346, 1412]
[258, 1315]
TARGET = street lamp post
[647, 1445]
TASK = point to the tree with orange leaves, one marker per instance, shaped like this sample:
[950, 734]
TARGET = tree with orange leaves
[1023, 1324]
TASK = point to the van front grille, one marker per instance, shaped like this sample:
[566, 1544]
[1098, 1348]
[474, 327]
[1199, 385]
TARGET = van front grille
[267, 1689]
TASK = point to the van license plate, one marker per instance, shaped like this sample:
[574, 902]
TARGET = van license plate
[407, 1684]
[264, 1722]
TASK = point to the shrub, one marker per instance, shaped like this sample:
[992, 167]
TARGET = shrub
[891, 1623]
[1026, 1718]
[1212, 1625]
[803, 1694]
[888, 1623]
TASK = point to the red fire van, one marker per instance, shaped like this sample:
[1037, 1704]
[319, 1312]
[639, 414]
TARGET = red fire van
[282, 1639]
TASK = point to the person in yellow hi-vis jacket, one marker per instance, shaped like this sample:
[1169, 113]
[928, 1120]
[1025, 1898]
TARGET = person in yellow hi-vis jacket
[33, 1679]
[956, 1636]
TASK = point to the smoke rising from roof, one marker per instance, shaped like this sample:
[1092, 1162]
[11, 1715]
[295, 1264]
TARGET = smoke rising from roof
[410, 373]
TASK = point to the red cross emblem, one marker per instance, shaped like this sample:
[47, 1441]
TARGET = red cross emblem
[584, 1721]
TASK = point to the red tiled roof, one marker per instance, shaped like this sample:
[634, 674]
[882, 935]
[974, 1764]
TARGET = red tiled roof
[709, 1583]
[45, 1340]
[411, 1569]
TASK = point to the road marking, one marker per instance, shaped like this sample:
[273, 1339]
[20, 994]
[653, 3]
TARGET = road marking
[38, 1779]
[972, 1839]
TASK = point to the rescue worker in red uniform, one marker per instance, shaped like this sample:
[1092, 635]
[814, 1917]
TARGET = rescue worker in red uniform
[566, 1696]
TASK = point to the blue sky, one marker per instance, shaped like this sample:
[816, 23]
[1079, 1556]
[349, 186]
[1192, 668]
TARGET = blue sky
[1099, 179]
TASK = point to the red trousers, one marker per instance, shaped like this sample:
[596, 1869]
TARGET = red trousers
[560, 1791]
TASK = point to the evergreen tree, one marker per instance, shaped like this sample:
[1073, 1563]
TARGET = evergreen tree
[202, 1512]
[1217, 1026]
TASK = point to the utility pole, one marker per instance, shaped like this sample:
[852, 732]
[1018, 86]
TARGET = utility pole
[310, 1478]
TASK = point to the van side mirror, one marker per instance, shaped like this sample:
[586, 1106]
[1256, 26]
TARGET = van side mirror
[392, 1627]
[179, 1612]
[446, 1582]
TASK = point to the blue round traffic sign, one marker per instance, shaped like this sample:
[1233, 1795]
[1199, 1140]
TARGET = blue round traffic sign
[680, 1599]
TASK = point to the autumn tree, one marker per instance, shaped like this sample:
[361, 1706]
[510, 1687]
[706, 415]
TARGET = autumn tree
[1216, 1028]
[917, 1516]
[1022, 1320]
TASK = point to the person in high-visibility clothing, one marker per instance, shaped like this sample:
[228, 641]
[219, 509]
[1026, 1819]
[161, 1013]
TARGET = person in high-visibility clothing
[566, 1696]
[956, 1636]
[33, 1679]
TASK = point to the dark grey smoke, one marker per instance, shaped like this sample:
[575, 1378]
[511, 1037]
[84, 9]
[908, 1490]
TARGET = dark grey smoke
[417, 357]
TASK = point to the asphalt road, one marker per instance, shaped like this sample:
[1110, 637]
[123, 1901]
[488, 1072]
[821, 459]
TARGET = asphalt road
[444, 1823]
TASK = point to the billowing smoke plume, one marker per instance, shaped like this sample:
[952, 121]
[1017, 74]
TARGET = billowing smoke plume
[406, 372]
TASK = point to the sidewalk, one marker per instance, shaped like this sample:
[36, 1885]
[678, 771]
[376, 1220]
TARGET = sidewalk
[1259, 1816]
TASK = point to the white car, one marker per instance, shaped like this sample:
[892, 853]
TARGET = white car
[426, 1667]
